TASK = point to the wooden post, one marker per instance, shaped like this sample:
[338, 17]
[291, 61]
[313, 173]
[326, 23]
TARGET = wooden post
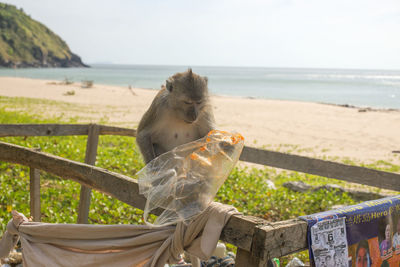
[245, 259]
[90, 158]
[34, 188]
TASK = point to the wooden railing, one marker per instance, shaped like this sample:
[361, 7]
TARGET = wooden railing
[91, 130]
[257, 240]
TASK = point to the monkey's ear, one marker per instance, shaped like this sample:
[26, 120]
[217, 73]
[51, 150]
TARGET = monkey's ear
[205, 79]
[168, 84]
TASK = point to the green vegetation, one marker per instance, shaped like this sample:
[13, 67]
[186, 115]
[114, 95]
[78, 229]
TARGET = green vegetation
[25, 42]
[71, 92]
[246, 188]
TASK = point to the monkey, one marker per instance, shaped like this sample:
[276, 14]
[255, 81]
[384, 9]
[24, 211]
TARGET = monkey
[180, 113]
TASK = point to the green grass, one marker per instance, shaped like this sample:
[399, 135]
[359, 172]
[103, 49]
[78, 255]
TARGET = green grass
[67, 112]
[245, 188]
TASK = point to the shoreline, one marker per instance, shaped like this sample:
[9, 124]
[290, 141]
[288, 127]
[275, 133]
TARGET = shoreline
[153, 90]
[304, 128]
[362, 109]
[346, 105]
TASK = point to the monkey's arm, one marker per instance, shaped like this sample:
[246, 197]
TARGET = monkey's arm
[145, 144]
[206, 122]
[144, 131]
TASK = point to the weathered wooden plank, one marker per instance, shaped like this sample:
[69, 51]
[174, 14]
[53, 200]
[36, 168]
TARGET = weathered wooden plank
[274, 240]
[59, 130]
[354, 174]
[111, 130]
[84, 204]
[259, 241]
[246, 259]
[43, 129]
[240, 230]
[90, 159]
[34, 187]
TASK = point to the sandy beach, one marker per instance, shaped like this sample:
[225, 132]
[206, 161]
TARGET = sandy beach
[310, 129]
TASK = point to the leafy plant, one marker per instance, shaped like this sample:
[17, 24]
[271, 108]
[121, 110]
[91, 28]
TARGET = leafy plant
[71, 92]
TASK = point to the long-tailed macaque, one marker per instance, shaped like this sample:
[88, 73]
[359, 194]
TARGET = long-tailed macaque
[180, 113]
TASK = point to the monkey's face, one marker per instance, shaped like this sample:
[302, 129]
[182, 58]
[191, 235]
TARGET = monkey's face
[186, 108]
[188, 94]
[191, 109]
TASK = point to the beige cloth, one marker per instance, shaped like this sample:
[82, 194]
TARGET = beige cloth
[46, 244]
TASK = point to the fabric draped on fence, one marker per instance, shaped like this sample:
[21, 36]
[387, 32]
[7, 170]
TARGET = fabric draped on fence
[45, 244]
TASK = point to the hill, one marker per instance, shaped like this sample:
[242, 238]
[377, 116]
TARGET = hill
[25, 42]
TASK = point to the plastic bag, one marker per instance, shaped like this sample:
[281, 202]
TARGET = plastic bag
[185, 180]
[295, 262]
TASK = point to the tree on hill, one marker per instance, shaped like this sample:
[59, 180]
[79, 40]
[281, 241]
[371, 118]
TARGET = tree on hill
[25, 42]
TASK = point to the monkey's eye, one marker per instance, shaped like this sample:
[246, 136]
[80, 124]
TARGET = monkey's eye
[199, 102]
[187, 102]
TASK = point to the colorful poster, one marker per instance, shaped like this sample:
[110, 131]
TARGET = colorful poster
[371, 230]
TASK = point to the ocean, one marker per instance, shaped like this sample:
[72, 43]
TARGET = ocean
[361, 88]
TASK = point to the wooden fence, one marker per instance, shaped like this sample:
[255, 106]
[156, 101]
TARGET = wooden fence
[256, 239]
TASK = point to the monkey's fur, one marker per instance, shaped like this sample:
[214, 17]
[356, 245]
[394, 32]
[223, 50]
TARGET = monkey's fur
[180, 113]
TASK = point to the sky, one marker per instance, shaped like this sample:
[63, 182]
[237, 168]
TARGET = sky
[361, 34]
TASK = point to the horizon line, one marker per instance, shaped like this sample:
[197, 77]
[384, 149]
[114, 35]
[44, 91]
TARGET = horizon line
[236, 66]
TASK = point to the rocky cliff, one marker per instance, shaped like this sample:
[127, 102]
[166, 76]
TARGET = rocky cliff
[25, 42]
